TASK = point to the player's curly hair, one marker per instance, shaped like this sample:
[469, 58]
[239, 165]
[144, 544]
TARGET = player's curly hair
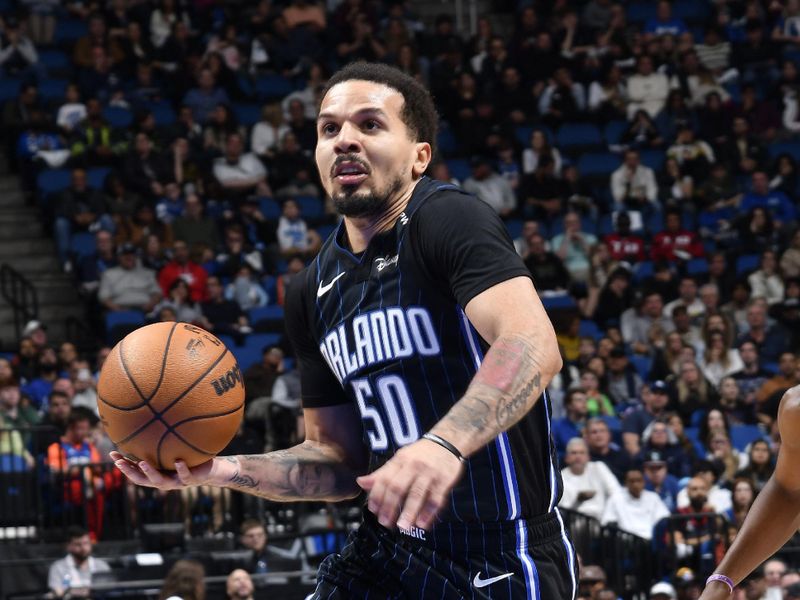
[418, 113]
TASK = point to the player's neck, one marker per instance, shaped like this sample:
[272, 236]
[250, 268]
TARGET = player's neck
[361, 230]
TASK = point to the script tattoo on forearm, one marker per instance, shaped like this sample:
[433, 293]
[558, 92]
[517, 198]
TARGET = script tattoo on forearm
[503, 390]
[304, 472]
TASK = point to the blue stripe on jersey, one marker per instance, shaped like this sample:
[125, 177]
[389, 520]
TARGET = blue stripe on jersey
[553, 475]
[531, 574]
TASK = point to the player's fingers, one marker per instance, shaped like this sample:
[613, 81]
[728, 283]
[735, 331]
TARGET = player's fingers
[183, 473]
[365, 482]
[155, 477]
[417, 494]
[434, 503]
[397, 488]
[132, 472]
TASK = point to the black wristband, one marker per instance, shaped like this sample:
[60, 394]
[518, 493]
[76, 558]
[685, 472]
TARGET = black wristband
[432, 437]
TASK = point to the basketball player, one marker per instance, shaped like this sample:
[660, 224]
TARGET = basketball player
[774, 516]
[424, 353]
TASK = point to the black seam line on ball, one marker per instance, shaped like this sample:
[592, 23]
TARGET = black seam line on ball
[184, 440]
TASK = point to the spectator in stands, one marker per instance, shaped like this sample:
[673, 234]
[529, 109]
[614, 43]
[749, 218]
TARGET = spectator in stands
[245, 289]
[573, 247]
[658, 437]
[120, 202]
[786, 377]
[719, 498]
[790, 259]
[647, 89]
[7, 373]
[633, 185]
[266, 134]
[178, 299]
[145, 172]
[655, 398]
[695, 156]
[239, 585]
[696, 536]
[170, 204]
[236, 252]
[635, 509]
[79, 209]
[71, 576]
[659, 480]
[546, 268]
[185, 580]
[571, 425]
[129, 286]
[769, 341]
[290, 166]
[284, 429]
[664, 23]
[562, 100]
[539, 146]
[732, 404]
[760, 464]
[687, 297]
[710, 297]
[253, 536]
[689, 333]
[46, 374]
[205, 97]
[15, 411]
[588, 485]
[83, 383]
[623, 244]
[490, 187]
[719, 360]
[635, 323]
[743, 152]
[55, 420]
[614, 298]
[642, 133]
[774, 570]
[766, 282]
[37, 332]
[192, 227]
[597, 402]
[692, 391]
[16, 116]
[94, 142]
[722, 452]
[221, 123]
[622, 381]
[239, 173]
[541, 193]
[775, 201]
[755, 57]
[591, 582]
[260, 378]
[97, 37]
[675, 243]
[598, 438]
[182, 267]
[220, 315]
[744, 492]
[294, 236]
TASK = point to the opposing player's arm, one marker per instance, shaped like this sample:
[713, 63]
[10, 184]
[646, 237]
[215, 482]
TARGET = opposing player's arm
[323, 467]
[775, 515]
[521, 361]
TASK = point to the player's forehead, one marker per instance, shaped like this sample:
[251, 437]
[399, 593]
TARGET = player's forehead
[355, 96]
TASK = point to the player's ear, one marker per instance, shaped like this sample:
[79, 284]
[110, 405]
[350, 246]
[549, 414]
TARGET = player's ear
[422, 159]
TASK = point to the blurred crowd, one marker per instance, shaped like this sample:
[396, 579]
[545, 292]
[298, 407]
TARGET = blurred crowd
[642, 154]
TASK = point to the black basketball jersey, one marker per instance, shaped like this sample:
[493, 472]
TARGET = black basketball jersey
[386, 329]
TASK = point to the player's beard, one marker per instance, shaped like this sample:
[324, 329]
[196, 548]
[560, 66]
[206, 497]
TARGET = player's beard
[365, 203]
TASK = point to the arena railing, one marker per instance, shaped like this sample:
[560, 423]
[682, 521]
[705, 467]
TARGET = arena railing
[21, 295]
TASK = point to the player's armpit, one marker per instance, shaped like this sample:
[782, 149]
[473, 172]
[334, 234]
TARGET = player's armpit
[520, 363]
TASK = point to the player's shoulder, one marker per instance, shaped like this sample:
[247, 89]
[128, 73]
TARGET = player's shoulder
[445, 206]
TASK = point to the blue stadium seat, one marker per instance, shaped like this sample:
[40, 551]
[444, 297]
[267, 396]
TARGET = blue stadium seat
[260, 341]
[653, 159]
[246, 356]
[712, 220]
[790, 148]
[578, 135]
[69, 30]
[742, 435]
[559, 301]
[273, 87]
[9, 88]
[82, 244]
[52, 89]
[614, 130]
[96, 177]
[605, 225]
[697, 266]
[54, 60]
[247, 114]
[459, 168]
[747, 263]
[523, 135]
[310, 206]
[446, 142]
[642, 364]
[643, 270]
[270, 209]
[53, 181]
[263, 313]
[655, 223]
[589, 328]
[598, 164]
[691, 10]
[228, 340]
[589, 225]
[13, 463]
[641, 11]
[120, 323]
[163, 114]
[118, 117]
[514, 228]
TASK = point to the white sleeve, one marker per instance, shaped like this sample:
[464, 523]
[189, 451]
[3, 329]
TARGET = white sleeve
[596, 95]
[618, 185]
[610, 484]
[790, 121]
[262, 138]
[610, 514]
[651, 187]
[528, 161]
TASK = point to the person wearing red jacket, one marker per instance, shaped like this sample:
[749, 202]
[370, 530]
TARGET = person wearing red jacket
[182, 267]
[675, 243]
[624, 245]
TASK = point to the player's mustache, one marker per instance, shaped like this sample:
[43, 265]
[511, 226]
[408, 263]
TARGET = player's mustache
[348, 158]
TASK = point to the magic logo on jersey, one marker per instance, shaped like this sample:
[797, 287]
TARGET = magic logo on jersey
[379, 336]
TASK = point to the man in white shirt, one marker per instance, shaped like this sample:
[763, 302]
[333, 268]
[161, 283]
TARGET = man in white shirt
[647, 89]
[240, 173]
[587, 484]
[73, 573]
[490, 187]
[687, 296]
[719, 498]
[635, 509]
[633, 185]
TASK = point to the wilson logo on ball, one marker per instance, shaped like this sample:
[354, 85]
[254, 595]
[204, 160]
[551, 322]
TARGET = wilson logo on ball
[227, 381]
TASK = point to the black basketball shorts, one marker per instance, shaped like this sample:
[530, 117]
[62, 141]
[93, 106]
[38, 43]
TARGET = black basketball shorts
[522, 560]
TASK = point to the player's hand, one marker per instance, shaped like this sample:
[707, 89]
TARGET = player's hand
[716, 590]
[413, 485]
[147, 475]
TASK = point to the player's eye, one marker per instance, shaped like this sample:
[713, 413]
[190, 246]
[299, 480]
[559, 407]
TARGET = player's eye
[371, 125]
[329, 128]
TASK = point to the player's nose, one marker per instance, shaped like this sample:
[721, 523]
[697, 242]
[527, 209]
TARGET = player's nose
[348, 140]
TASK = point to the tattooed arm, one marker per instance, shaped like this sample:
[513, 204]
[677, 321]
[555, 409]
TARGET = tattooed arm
[324, 467]
[522, 360]
[519, 365]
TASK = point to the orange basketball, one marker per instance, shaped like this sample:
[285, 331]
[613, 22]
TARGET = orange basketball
[168, 391]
